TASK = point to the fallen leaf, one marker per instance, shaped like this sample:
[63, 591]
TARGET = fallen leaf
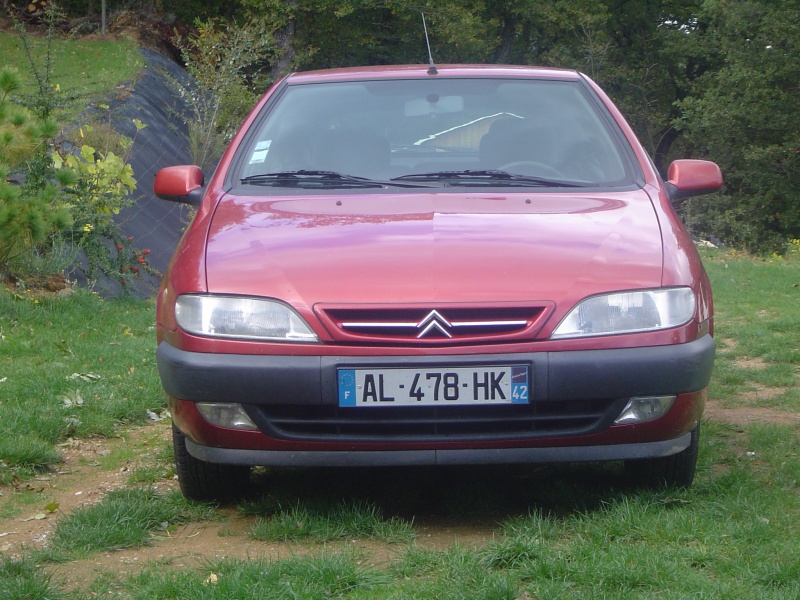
[36, 517]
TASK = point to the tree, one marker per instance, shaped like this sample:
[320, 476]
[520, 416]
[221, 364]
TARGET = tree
[744, 113]
[32, 210]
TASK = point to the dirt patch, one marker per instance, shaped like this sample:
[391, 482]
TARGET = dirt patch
[80, 479]
[750, 363]
[743, 416]
[196, 545]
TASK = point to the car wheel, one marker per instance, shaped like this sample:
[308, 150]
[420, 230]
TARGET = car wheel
[676, 471]
[200, 480]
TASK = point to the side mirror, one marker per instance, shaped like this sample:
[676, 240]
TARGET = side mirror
[687, 178]
[183, 184]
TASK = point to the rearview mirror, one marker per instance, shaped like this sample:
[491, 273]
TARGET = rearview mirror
[434, 104]
[687, 178]
[183, 184]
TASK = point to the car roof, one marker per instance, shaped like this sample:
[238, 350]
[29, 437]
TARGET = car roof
[423, 71]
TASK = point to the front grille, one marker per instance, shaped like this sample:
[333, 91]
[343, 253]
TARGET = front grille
[433, 325]
[436, 424]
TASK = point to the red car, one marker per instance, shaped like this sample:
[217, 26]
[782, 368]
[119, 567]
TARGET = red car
[418, 266]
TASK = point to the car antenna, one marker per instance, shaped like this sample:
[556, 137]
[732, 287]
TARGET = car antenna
[431, 67]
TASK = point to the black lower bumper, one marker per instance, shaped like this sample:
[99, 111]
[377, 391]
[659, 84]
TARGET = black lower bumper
[312, 380]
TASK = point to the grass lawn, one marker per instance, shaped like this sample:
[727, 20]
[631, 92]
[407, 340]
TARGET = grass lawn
[81, 70]
[82, 366]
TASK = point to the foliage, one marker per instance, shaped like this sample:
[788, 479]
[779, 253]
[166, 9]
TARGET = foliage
[61, 197]
[33, 210]
[101, 190]
[227, 64]
[743, 113]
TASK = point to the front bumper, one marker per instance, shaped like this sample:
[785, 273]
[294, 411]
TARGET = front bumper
[557, 376]
[575, 397]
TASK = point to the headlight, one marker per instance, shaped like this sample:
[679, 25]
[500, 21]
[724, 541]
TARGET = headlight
[241, 318]
[628, 312]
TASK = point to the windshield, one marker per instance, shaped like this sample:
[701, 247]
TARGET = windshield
[434, 132]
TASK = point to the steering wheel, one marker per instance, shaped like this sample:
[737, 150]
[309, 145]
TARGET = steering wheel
[532, 168]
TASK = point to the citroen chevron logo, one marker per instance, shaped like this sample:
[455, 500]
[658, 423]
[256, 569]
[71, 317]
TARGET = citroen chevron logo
[433, 321]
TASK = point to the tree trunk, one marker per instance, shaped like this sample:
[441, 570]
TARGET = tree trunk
[285, 52]
[506, 39]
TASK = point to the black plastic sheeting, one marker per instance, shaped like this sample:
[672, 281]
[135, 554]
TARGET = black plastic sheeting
[155, 100]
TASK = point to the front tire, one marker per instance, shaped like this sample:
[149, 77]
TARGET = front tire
[200, 480]
[676, 471]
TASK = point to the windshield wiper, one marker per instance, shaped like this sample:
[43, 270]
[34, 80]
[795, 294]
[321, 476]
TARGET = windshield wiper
[305, 178]
[491, 177]
[318, 179]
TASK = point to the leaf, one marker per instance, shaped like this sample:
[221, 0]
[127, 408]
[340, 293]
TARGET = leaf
[63, 347]
[36, 517]
[52, 507]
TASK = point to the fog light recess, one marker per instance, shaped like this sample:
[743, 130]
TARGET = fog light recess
[231, 416]
[642, 409]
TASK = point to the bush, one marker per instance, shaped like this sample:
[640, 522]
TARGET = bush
[32, 204]
[228, 63]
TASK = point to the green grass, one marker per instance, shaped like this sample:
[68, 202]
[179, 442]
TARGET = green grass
[76, 366]
[757, 316]
[22, 580]
[81, 70]
[123, 519]
[328, 575]
[345, 520]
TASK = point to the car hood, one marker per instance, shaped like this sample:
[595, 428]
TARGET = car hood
[433, 248]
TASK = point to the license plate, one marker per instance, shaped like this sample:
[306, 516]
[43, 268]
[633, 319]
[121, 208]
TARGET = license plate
[478, 385]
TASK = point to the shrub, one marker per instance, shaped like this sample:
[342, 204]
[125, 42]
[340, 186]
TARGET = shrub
[32, 205]
[227, 63]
